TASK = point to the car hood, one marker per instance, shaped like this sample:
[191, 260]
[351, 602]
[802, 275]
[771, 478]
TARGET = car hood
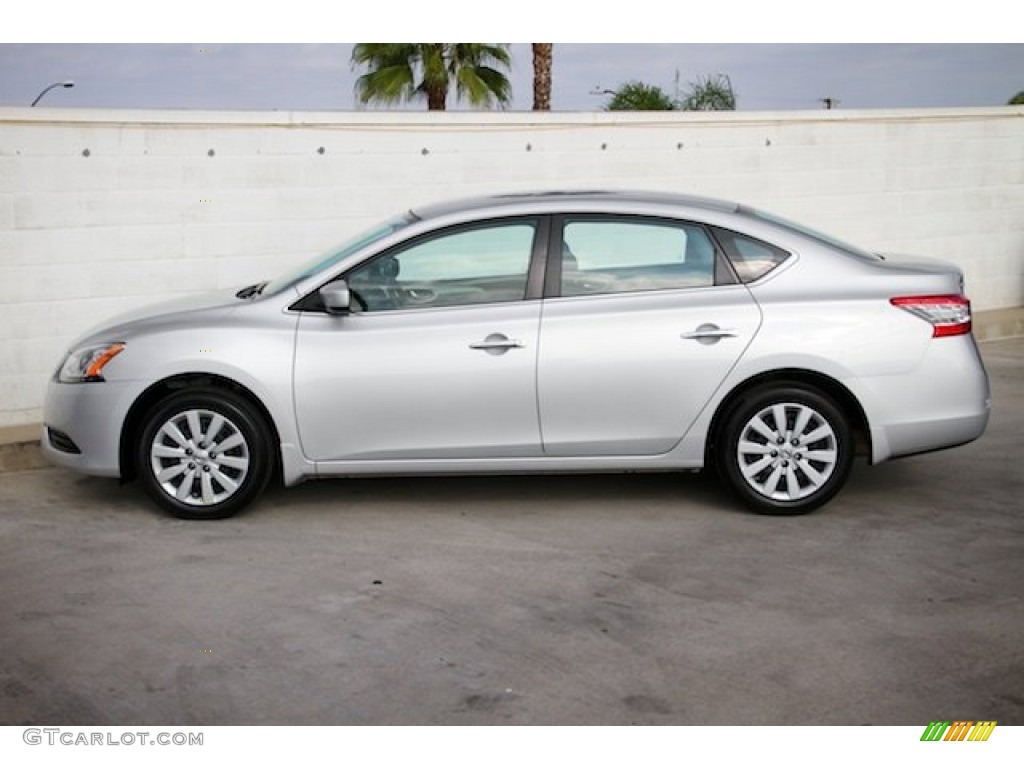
[184, 309]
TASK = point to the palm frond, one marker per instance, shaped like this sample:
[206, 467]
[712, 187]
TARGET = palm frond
[404, 71]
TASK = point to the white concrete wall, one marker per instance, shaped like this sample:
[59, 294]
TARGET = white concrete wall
[102, 211]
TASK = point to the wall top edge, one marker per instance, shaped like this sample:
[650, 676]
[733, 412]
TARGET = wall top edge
[298, 119]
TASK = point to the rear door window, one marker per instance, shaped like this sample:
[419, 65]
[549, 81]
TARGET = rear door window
[618, 255]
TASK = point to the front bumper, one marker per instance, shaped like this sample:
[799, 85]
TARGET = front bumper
[90, 414]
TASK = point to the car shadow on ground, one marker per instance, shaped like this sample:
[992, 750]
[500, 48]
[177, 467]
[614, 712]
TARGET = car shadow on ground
[500, 494]
[520, 493]
[510, 494]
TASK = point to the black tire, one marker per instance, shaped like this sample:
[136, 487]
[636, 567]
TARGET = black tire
[234, 477]
[788, 478]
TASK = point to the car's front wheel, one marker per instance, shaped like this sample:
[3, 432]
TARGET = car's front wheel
[203, 453]
[786, 449]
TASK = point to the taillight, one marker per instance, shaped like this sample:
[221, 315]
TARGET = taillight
[949, 315]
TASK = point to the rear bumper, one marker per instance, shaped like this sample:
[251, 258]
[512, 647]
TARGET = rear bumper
[943, 402]
[910, 439]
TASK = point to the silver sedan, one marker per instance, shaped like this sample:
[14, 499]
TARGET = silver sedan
[571, 332]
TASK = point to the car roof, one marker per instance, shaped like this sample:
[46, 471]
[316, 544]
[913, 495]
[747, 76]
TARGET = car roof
[568, 198]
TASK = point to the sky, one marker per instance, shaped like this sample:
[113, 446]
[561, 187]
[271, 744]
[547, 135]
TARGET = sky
[783, 55]
[288, 76]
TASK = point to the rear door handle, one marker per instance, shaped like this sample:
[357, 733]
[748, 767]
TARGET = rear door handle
[497, 344]
[708, 333]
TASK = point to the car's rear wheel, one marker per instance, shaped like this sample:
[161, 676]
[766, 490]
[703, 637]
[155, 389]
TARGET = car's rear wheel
[203, 454]
[786, 449]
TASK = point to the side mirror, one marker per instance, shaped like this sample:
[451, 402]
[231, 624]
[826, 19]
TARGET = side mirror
[337, 297]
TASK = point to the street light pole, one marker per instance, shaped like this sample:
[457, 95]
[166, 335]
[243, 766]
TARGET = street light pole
[51, 86]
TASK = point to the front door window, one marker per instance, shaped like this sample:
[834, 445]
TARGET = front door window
[482, 265]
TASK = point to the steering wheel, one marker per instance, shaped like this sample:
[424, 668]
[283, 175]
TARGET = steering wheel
[358, 299]
[380, 290]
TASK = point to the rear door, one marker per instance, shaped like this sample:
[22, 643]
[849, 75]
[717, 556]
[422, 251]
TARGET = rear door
[641, 324]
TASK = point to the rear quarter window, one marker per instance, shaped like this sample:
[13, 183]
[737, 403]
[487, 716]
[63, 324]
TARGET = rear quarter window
[751, 259]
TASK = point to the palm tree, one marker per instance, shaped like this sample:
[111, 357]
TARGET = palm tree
[636, 95]
[542, 55]
[713, 92]
[399, 72]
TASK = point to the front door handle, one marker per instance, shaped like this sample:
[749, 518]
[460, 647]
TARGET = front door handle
[497, 344]
[708, 333]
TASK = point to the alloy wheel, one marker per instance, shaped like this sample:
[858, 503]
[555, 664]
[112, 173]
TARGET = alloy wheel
[199, 457]
[787, 451]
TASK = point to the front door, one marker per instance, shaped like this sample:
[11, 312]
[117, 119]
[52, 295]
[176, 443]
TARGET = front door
[437, 359]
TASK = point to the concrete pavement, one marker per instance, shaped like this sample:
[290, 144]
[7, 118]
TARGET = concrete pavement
[649, 599]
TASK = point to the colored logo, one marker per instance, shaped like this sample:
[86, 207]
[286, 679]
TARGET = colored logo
[958, 730]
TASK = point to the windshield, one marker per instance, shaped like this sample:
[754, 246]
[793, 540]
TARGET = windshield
[336, 254]
[813, 234]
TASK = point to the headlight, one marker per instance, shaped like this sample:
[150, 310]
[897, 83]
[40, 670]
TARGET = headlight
[86, 363]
